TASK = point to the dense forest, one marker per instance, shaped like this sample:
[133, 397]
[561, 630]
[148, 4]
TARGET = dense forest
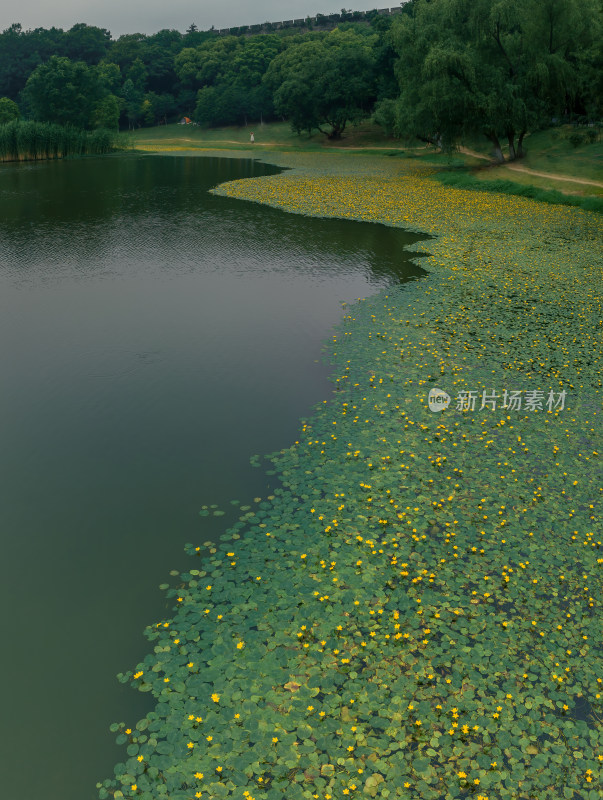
[437, 70]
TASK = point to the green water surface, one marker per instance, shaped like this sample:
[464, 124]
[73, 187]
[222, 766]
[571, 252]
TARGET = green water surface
[152, 338]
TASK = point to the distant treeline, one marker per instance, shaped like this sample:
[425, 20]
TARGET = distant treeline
[433, 69]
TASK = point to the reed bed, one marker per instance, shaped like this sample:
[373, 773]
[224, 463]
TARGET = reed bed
[31, 141]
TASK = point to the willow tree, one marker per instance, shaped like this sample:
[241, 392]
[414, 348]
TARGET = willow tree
[499, 67]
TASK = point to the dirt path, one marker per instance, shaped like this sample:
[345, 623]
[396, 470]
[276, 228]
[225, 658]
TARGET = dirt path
[552, 175]
[536, 173]
[467, 152]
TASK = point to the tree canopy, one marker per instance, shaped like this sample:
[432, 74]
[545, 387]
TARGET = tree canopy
[226, 74]
[500, 67]
[63, 91]
[325, 82]
[9, 110]
[439, 70]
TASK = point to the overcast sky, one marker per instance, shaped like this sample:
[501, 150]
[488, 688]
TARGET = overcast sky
[150, 16]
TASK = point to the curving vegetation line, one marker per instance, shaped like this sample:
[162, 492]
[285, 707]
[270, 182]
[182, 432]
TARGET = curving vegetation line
[416, 612]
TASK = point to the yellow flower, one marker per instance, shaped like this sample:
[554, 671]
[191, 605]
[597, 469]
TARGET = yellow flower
[199, 776]
[190, 745]
[215, 697]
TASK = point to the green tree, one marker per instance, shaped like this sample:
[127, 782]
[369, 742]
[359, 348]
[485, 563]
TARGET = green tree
[109, 76]
[22, 51]
[9, 110]
[126, 49]
[496, 67]
[158, 107]
[138, 75]
[325, 83]
[86, 43]
[106, 113]
[133, 100]
[63, 91]
[156, 53]
[227, 75]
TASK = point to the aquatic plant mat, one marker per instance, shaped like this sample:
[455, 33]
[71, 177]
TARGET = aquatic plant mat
[416, 613]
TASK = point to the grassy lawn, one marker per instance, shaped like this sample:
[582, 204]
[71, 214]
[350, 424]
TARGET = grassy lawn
[547, 151]
[551, 151]
[527, 179]
[276, 135]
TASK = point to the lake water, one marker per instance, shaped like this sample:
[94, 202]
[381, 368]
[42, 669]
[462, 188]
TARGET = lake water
[152, 338]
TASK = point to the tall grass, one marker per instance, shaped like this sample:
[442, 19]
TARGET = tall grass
[30, 141]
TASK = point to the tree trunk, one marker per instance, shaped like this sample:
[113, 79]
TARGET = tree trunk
[520, 151]
[337, 129]
[429, 139]
[511, 140]
[497, 148]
